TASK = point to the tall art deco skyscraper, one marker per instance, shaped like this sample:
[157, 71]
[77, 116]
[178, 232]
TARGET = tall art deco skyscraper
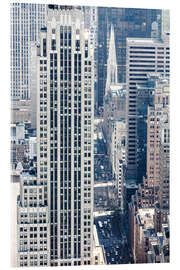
[65, 134]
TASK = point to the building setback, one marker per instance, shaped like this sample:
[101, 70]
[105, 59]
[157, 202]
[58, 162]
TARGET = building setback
[32, 223]
[65, 134]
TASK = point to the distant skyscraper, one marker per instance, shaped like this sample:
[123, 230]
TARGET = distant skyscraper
[26, 21]
[65, 134]
[127, 22]
[144, 56]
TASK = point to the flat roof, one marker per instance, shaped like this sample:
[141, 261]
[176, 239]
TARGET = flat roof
[144, 40]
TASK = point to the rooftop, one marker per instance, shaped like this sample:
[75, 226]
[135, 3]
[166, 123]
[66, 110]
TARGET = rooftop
[117, 89]
[143, 40]
[145, 217]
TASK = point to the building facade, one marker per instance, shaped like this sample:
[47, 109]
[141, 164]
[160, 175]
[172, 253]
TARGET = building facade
[33, 83]
[156, 113]
[91, 23]
[144, 56]
[164, 167]
[65, 134]
[26, 22]
[32, 223]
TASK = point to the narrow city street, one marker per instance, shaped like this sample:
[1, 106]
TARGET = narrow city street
[114, 241]
[102, 166]
[110, 232]
[103, 184]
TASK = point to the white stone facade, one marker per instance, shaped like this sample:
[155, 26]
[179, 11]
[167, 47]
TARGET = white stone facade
[65, 135]
[26, 21]
[32, 224]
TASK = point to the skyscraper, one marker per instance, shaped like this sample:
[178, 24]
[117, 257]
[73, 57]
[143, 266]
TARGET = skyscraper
[26, 21]
[65, 134]
[163, 205]
[145, 92]
[144, 56]
[156, 113]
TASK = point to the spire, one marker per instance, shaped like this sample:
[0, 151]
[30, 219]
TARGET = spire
[111, 63]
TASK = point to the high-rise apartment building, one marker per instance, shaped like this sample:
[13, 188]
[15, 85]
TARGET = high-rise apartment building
[65, 134]
[26, 22]
[127, 22]
[144, 56]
